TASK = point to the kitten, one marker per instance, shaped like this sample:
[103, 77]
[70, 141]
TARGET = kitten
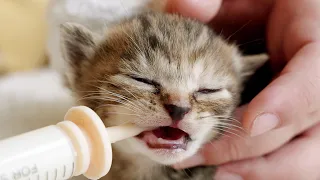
[162, 71]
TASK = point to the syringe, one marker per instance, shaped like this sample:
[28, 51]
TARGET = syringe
[79, 145]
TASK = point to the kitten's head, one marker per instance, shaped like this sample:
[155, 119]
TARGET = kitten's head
[165, 72]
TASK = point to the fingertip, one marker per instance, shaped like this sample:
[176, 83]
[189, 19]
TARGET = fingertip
[272, 108]
[259, 118]
[203, 10]
[264, 123]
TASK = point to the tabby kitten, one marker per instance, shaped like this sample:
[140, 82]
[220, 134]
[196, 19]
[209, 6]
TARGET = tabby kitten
[162, 71]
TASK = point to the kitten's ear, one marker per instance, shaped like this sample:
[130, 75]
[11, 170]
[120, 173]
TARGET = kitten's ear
[77, 42]
[251, 63]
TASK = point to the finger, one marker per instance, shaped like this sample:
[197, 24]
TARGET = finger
[287, 28]
[228, 149]
[292, 98]
[242, 11]
[203, 10]
[295, 161]
[237, 20]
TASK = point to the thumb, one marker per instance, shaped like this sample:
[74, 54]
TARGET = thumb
[291, 99]
[288, 160]
[203, 10]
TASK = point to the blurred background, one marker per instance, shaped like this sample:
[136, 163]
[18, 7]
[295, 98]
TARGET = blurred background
[31, 94]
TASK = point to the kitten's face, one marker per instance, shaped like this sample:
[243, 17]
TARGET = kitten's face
[159, 71]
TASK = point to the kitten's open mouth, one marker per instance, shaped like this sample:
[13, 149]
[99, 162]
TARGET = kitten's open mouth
[165, 138]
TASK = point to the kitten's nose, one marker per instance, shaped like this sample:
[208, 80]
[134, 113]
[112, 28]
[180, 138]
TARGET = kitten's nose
[176, 113]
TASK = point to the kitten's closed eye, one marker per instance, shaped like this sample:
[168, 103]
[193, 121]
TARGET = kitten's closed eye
[157, 85]
[145, 81]
[148, 82]
[209, 91]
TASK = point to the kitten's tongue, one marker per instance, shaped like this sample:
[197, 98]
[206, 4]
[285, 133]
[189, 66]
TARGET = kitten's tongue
[165, 138]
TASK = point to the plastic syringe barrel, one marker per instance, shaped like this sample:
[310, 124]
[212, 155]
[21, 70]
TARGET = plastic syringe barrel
[80, 145]
[58, 152]
[46, 153]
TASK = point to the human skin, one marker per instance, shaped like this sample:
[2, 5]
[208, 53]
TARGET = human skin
[287, 107]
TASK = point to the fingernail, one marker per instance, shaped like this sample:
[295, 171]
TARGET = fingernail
[224, 175]
[264, 123]
[193, 161]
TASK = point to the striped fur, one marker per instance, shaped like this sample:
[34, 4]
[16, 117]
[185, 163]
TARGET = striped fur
[179, 57]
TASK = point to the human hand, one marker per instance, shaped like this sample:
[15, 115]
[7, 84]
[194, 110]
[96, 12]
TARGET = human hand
[297, 160]
[286, 107]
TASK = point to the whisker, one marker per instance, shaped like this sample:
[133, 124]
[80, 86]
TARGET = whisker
[184, 170]
[249, 42]
[225, 125]
[230, 125]
[123, 123]
[212, 142]
[109, 82]
[229, 132]
[121, 3]
[120, 96]
[222, 134]
[87, 97]
[225, 118]
[112, 100]
[217, 116]
[239, 29]
[230, 128]
[139, 101]
[135, 44]
[115, 105]
[222, 120]
[122, 113]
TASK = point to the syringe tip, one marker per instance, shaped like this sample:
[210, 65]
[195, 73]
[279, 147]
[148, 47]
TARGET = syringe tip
[118, 133]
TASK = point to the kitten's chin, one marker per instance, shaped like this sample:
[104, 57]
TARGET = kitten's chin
[166, 156]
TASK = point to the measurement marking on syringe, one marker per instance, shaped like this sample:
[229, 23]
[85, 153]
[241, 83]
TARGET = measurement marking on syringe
[64, 171]
[47, 175]
[72, 170]
[55, 174]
